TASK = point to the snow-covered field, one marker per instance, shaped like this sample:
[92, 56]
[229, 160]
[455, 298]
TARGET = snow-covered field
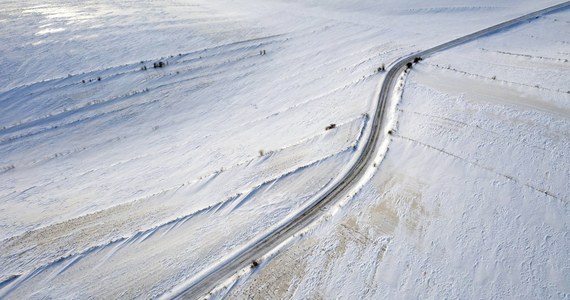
[472, 199]
[120, 180]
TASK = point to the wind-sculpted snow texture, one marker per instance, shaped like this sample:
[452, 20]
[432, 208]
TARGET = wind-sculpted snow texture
[472, 199]
[143, 141]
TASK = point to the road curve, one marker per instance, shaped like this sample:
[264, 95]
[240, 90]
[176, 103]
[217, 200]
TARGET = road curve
[231, 265]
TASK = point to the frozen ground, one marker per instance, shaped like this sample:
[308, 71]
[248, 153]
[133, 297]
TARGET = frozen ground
[122, 182]
[472, 199]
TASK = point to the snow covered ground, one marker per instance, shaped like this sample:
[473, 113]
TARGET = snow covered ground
[472, 199]
[116, 181]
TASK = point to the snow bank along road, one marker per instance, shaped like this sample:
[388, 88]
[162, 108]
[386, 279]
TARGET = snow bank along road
[209, 279]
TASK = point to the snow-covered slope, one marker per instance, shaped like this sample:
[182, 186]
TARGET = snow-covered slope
[471, 200]
[118, 179]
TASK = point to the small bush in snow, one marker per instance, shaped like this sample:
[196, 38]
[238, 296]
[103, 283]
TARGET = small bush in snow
[331, 126]
[254, 264]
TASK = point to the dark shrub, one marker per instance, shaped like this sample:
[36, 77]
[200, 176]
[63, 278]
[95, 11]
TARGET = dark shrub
[254, 264]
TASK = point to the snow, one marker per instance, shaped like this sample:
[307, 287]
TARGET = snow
[471, 200]
[118, 182]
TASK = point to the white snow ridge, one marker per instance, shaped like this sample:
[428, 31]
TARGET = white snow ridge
[285, 149]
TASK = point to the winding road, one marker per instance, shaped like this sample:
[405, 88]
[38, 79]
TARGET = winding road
[203, 283]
